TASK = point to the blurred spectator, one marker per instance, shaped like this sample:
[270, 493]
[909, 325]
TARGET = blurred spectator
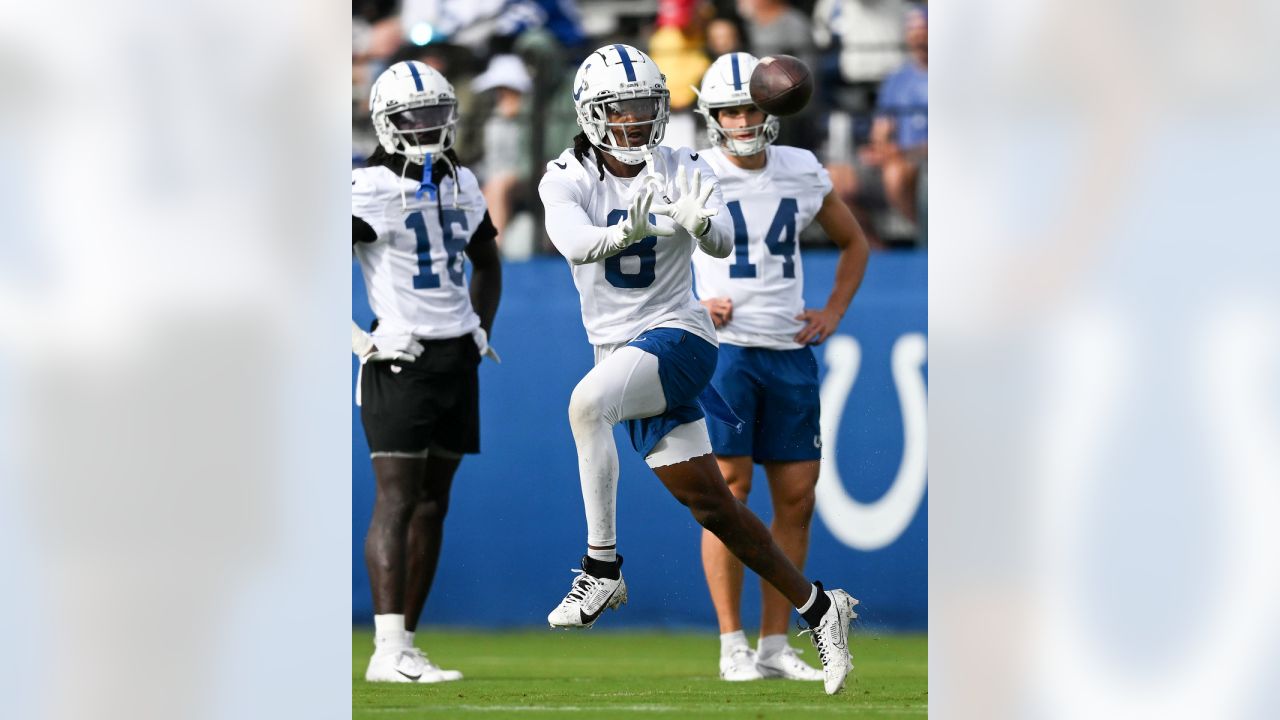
[723, 37]
[900, 132]
[676, 46]
[878, 171]
[866, 36]
[505, 163]
[774, 27]
[862, 42]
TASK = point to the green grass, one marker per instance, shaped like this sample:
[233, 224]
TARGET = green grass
[595, 674]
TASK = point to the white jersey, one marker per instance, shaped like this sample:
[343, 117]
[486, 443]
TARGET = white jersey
[414, 270]
[764, 276]
[648, 284]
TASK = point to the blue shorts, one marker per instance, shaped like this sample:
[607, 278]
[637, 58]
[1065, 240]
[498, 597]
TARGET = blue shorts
[775, 392]
[685, 365]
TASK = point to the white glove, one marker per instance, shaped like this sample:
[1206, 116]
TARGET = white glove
[690, 209]
[635, 226]
[482, 343]
[362, 345]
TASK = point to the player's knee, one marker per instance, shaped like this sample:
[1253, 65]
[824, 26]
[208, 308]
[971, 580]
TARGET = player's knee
[712, 510]
[395, 503]
[586, 406]
[796, 509]
[432, 509]
[739, 484]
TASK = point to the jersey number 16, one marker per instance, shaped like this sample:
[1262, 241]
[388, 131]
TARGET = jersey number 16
[427, 278]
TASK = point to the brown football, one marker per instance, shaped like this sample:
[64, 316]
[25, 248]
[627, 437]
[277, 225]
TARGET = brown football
[781, 85]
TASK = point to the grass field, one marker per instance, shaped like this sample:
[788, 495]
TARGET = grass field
[598, 674]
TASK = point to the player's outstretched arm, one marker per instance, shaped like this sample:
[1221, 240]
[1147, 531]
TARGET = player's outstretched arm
[690, 209]
[578, 239]
[840, 225]
[704, 198]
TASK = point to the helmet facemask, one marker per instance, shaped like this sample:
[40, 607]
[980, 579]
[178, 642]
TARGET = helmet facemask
[418, 130]
[740, 142]
[627, 125]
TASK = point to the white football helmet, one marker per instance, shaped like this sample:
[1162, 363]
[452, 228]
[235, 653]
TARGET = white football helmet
[414, 110]
[622, 102]
[727, 84]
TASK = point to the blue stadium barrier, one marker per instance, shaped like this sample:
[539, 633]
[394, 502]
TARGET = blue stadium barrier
[516, 528]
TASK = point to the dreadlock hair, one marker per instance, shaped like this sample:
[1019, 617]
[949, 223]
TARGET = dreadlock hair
[581, 145]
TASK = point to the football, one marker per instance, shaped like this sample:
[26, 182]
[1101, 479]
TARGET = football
[781, 85]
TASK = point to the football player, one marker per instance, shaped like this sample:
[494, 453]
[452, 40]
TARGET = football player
[628, 214]
[416, 215]
[766, 371]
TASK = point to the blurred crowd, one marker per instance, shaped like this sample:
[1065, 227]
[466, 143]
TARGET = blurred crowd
[512, 63]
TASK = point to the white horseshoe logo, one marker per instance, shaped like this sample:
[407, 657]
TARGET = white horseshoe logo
[871, 526]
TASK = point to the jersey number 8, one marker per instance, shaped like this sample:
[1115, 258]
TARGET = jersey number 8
[644, 249]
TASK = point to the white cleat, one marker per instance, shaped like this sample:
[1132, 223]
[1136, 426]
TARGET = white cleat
[588, 597]
[787, 665]
[396, 665]
[739, 665]
[433, 673]
[831, 638]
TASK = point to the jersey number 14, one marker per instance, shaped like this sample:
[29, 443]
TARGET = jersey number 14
[780, 240]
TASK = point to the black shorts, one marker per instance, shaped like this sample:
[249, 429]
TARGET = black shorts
[433, 403]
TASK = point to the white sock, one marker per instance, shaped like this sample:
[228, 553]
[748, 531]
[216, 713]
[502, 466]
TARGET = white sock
[813, 597]
[388, 631]
[771, 645]
[610, 555]
[731, 641]
[408, 638]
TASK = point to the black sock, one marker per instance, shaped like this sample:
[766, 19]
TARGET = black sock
[601, 568]
[821, 604]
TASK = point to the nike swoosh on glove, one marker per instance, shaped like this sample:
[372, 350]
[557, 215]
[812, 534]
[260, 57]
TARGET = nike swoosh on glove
[690, 209]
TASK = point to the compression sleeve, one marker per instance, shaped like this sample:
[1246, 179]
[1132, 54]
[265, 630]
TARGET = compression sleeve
[571, 229]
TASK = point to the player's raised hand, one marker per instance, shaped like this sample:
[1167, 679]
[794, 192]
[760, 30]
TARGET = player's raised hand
[818, 326]
[636, 226]
[690, 208]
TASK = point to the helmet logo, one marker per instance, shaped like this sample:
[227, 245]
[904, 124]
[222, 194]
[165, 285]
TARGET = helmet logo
[578, 93]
